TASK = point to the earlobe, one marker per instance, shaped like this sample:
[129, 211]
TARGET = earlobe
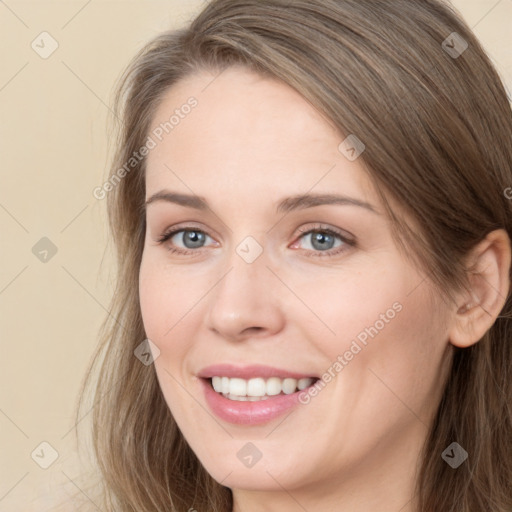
[479, 307]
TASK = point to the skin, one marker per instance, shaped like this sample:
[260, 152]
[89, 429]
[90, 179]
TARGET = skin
[249, 143]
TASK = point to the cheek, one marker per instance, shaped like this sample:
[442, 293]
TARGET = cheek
[382, 338]
[170, 303]
[154, 301]
[341, 305]
[164, 300]
[398, 372]
[163, 297]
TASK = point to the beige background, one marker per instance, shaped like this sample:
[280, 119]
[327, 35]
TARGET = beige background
[53, 147]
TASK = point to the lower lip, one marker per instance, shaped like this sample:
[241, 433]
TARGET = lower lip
[248, 413]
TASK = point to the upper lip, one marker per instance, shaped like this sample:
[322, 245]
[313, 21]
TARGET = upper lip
[249, 372]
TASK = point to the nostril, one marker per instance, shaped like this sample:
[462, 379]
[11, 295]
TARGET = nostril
[252, 330]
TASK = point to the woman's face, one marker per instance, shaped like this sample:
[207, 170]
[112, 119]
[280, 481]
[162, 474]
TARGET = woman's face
[267, 270]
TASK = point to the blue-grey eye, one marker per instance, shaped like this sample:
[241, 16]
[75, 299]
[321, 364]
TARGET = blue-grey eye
[322, 240]
[190, 239]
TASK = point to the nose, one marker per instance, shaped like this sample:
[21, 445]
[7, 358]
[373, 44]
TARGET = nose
[246, 301]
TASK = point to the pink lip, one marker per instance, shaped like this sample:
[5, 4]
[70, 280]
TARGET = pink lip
[249, 372]
[248, 413]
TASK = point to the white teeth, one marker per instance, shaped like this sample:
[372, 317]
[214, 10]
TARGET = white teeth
[245, 398]
[274, 386]
[258, 388]
[304, 383]
[289, 386]
[238, 387]
[217, 384]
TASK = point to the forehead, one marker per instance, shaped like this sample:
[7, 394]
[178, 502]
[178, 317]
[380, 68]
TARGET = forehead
[247, 130]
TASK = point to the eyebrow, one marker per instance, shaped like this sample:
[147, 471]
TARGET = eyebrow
[297, 202]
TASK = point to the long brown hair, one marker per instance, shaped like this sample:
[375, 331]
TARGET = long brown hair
[437, 125]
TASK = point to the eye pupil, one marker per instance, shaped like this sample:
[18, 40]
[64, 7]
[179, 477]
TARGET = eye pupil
[323, 240]
[195, 237]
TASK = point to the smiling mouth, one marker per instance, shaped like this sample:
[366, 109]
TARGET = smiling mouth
[258, 388]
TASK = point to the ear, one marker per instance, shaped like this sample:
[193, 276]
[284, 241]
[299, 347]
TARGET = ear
[479, 306]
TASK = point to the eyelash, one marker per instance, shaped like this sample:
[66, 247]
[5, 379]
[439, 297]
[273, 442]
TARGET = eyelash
[316, 229]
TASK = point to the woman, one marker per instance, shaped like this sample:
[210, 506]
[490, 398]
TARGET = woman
[313, 306]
